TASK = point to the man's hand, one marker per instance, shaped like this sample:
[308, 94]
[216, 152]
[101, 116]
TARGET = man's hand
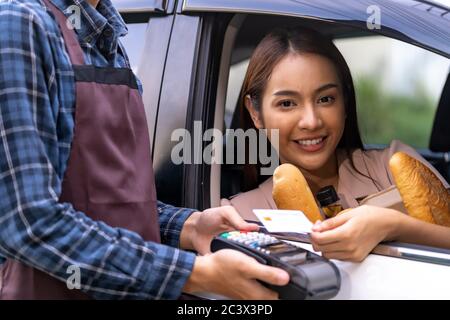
[233, 274]
[353, 234]
[201, 227]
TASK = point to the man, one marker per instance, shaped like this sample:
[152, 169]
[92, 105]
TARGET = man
[76, 182]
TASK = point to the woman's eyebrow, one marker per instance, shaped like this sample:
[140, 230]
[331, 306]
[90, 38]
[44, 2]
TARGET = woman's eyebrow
[295, 93]
[286, 93]
[326, 86]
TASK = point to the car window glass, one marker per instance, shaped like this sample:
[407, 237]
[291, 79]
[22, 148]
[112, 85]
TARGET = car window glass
[398, 87]
[235, 80]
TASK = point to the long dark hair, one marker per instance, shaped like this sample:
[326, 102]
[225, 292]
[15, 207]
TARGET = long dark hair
[269, 52]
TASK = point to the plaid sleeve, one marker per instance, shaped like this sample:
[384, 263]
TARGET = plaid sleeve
[171, 221]
[36, 229]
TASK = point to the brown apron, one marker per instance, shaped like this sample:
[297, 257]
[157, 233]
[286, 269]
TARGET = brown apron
[109, 174]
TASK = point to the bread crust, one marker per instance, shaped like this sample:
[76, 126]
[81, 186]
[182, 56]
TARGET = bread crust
[291, 192]
[423, 194]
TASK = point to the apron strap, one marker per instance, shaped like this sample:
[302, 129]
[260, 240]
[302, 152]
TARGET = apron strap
[70, 38]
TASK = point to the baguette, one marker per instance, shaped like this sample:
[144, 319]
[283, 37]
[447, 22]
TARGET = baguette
[423, 194]
[291, 192]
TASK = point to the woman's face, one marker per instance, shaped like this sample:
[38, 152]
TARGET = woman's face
[304, 100]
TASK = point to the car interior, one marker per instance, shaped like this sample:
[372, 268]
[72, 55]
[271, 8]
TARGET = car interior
[245, 32]
[440, 134]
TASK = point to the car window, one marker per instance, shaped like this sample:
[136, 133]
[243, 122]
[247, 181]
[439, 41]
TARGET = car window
[235, 80]
[398, 87]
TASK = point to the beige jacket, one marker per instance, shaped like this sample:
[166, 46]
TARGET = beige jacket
[353, 187]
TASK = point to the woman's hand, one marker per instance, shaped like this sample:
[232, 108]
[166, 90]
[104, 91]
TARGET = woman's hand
[353, 234]
[201, 227]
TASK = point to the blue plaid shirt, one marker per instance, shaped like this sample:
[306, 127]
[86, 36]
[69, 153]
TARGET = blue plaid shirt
[37, 96]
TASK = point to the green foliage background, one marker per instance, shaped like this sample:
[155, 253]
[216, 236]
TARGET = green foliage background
[384, 116]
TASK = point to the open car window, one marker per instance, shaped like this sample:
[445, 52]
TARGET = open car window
[398, 87]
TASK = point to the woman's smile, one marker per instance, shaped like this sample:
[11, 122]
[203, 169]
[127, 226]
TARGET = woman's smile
[311, 145]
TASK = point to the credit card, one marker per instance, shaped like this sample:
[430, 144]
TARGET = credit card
[283, 220]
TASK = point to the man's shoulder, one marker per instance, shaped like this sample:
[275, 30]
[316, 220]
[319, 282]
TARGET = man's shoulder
[16, 7]
[23, 11]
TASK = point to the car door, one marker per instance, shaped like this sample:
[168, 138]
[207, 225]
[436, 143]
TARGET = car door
[160, 62]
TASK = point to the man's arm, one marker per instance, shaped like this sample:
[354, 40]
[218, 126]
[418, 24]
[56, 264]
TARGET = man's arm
[36, 229]
[171, 222]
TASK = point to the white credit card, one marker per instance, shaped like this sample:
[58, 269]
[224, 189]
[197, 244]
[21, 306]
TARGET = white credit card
[284, 220]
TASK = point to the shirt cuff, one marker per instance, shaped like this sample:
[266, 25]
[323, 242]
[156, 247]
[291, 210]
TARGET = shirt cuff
[176, 266]
[171, 222]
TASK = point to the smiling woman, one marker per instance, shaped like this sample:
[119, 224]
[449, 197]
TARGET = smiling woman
[297, 82]
[309, 114]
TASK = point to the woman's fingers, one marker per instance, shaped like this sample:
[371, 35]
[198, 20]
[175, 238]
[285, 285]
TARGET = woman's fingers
[329, 237]
[331, 223]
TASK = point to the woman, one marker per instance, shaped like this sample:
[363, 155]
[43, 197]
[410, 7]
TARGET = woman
[299, 83]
